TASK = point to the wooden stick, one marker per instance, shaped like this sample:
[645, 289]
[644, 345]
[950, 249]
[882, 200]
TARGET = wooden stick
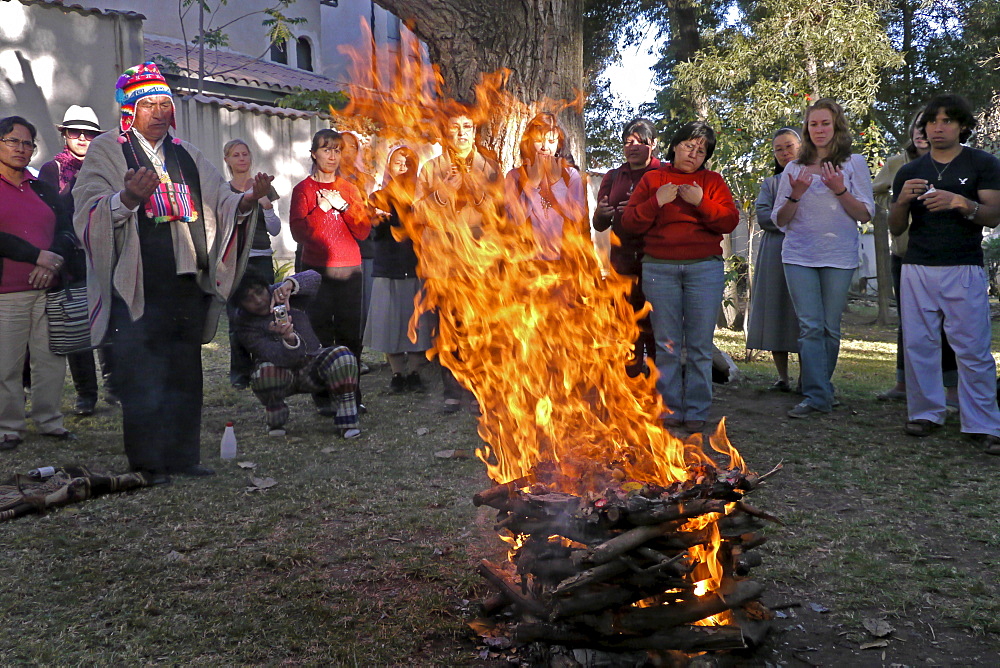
[499, 493]
[493, 575]
[684, 638]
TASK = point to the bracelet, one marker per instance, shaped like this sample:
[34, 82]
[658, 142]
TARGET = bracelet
[972, 215]
[841, 192]
[791, 199]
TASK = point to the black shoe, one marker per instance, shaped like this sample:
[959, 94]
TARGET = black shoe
[196, 470]
[85, 406]
[239, 382]
[157, 478]
[398, 384]
[414, 383]
[64, 435]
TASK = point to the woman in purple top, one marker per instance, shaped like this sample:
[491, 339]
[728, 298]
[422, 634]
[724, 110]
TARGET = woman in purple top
[35, 235]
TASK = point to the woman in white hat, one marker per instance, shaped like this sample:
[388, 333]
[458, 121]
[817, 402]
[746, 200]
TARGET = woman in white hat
[78, 128]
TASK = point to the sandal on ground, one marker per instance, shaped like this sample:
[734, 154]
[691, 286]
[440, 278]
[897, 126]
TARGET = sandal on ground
[780, 386]
[352, 432]
[988, 442]
[921, 427]
[10, 441]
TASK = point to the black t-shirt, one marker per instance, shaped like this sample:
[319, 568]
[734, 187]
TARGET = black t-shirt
[946, 238]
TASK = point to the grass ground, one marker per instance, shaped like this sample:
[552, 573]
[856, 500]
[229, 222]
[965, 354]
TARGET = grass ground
[363, 552]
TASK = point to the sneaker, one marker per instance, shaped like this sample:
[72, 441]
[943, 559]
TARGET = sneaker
[802, 410]
[398, 383]
[364, 369]
[276, 433]
[414, 383]
[353, 432]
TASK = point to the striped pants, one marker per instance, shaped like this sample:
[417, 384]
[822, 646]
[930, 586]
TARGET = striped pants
[333, 369]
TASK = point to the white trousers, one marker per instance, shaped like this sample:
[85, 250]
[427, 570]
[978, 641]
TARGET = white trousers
[956, 296]
[24, 327]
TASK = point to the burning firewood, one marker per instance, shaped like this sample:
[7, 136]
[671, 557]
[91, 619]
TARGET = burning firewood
[624, 569]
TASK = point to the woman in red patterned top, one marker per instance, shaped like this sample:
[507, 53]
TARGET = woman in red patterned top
[328, 216]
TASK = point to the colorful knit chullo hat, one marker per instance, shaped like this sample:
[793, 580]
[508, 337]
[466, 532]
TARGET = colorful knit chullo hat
[136, 83]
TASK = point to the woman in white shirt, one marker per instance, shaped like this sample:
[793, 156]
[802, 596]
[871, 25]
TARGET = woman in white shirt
[826, 193]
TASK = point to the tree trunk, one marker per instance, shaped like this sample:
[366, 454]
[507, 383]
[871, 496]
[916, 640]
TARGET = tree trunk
[539, 41]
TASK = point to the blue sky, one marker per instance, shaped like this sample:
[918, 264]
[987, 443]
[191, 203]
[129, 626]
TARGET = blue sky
[632, 80]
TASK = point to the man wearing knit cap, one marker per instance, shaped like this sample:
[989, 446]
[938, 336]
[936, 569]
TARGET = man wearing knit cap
[165, 245]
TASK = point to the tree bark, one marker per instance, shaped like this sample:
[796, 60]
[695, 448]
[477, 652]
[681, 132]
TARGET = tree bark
[539, 41]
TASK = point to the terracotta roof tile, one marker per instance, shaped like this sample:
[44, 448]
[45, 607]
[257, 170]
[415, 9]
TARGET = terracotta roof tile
[84, 9]
[239, 69]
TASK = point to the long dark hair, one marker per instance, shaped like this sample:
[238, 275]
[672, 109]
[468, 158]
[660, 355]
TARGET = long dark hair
[840, 145]
[780, 133]
[910, 149]
[956, 108]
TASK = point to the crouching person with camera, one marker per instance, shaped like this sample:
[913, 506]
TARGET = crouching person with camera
[270, 321]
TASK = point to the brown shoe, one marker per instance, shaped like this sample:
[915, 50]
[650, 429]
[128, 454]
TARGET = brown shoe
[694, 426]
[921, 427]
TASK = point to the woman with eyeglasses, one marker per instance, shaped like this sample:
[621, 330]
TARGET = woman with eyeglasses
[36, 233]
[822, 196]
[638, 145]
[682, 211]
[78, 128]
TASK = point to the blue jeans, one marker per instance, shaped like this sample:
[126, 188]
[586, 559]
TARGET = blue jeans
[685, 299]
[820, 297]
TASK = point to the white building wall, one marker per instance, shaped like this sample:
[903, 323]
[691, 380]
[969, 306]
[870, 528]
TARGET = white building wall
[279, 144]
[52, 57]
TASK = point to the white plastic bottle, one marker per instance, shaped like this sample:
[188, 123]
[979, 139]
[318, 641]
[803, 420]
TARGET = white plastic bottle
[227, 449]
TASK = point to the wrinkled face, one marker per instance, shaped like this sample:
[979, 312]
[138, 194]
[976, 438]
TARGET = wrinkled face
[690, 155]
[397, 166]
[16, 148]
[637, 153]
[327, 158]
[821, 129]
[547, 145]
[920, 140]
[786, 148]
[239, 159]
[78, 141]
[942, 131]
[461, 134]
[257, 301]
[153, 116]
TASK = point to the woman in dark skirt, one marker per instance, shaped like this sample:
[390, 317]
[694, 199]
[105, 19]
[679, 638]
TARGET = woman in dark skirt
[773, 325]
[396, 286]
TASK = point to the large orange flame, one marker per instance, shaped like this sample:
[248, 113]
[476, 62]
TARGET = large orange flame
[542, 345]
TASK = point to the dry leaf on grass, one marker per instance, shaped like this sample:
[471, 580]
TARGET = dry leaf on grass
[875, 644]
[247, 465]
[261, 484]
[423, 431]
[327, 450]
[878, 627]
[453, 454]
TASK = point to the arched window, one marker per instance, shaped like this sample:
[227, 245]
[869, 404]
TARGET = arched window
[279, 52]
[303, 54]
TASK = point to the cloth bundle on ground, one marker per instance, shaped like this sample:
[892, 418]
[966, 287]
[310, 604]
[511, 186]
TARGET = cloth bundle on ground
[21, 494]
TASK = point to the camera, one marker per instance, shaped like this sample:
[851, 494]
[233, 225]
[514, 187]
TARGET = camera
[280, 314]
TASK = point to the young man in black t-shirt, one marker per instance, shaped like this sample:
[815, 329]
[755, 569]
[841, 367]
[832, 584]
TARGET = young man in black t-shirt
[946, 197]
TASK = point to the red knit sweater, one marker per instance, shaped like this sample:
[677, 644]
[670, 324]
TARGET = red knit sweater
[329, 239]
[678, 230]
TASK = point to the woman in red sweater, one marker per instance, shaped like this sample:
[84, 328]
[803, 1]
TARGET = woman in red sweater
[328, 216]
[682, 211]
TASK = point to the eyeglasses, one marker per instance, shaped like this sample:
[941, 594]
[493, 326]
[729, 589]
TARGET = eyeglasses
[14, 144]
[80, 134]
[692, 148]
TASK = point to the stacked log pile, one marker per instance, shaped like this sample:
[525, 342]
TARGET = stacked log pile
[612, 569]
